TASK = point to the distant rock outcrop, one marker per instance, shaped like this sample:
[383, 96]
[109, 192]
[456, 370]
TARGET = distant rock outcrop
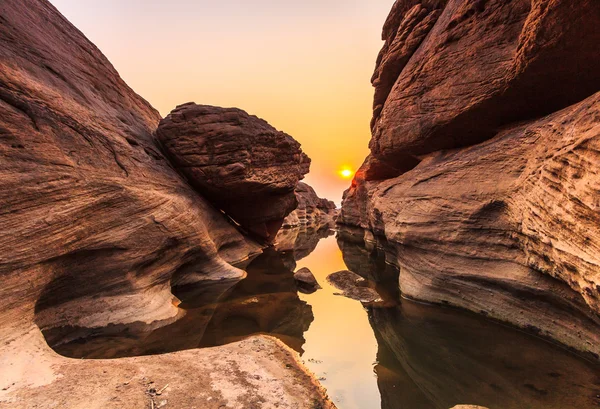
[240, 162]
[312, 211]
[484, 169]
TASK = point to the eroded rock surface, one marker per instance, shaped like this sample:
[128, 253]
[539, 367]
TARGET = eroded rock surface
[241, 163]
[312, 211]
[95, 227]
[306, 281]
[354, 286]
[491, 205]
[432, 357]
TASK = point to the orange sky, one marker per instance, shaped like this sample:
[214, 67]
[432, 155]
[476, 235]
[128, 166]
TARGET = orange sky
[304, 66]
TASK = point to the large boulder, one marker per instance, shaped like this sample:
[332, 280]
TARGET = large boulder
[243, 165]
[484, 172]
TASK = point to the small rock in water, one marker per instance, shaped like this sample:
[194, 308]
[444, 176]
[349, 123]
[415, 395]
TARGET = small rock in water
[354, 286]
[307, 283]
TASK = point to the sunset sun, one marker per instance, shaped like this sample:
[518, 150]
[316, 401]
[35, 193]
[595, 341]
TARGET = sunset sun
[346, 173]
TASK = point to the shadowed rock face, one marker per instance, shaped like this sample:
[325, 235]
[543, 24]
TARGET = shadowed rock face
[91, 207]
[94, 225]
[238, 161]
[458, 71]
[433, 357]
[312, 211]
[490, 206]
[266, 302]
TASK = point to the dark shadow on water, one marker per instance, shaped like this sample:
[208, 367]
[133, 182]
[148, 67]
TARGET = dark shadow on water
[431, 357]
[265, 302]
[428, 357]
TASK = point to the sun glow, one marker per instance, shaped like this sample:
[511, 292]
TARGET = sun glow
[346, 173]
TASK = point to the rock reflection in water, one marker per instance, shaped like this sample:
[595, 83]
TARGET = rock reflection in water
[266, 302]
[431, 357]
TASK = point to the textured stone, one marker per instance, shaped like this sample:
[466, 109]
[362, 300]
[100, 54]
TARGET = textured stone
[312, 211]
[241, 163]
[463, 69]
[95, 228]
[307, 283]
[491, 206]
[432, 357]
[354, 286]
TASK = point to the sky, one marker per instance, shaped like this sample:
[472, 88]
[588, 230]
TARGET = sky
[303, 65]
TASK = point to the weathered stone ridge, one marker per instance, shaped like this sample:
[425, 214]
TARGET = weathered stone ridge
[95, 228]
[484, 167]
[241, 163]
[453, 73]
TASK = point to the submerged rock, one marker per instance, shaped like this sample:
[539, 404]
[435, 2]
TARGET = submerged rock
[484, 170]
[306, 281]
[242, 164]
[354, 286]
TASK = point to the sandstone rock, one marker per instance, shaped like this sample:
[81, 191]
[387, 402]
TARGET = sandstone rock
[307, 283]
[301, 241]
[95, 221]
[354, 286]
[460, 70]
[241, 163]
[95, 224]
[508, 228]
[312, 210]
[490, 207]
[432, 357]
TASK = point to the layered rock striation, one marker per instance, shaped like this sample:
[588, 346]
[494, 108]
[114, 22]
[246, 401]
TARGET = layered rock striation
[241, 163]
[312, 211]
[484, 168]
[96, 227]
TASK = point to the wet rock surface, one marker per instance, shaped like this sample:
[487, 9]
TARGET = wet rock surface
[484, 166]
[306, 281]
[434, 357]
[265, 302]
[354, 286]
[243, 165]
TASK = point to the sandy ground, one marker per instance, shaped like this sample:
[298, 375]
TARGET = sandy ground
[259, 372]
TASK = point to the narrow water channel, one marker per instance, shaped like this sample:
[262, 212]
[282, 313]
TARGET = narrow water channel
[407, 355]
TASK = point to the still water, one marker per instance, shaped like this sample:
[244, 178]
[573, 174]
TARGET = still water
[401, 356]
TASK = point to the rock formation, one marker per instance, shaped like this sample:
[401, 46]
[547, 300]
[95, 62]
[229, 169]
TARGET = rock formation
[306, 281]
[241, 163]
[95, 223]
[354, 286]
[432, 357]
[312, 211]
[484, 168]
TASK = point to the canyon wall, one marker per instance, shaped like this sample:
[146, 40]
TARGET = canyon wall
[96, 226]
[484, 168]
